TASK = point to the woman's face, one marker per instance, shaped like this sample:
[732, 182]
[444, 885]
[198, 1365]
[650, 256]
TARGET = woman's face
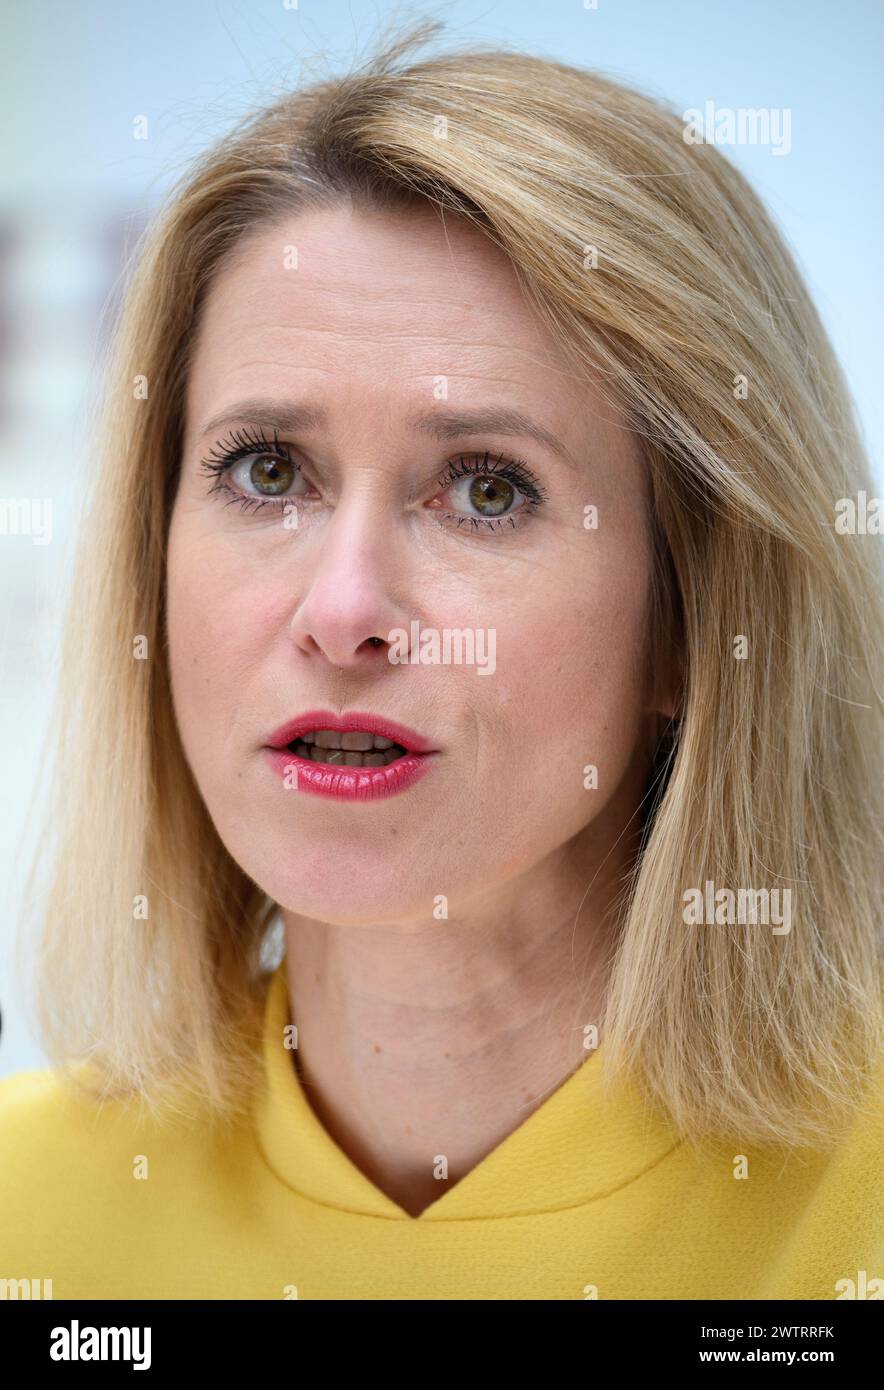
[373, 511]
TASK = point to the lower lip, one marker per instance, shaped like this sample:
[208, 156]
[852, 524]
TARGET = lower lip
[350, 783]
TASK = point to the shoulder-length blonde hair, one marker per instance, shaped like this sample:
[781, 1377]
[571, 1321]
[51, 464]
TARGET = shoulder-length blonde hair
[692, 311]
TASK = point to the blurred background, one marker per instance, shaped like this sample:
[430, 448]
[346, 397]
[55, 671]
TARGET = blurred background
[78, 187]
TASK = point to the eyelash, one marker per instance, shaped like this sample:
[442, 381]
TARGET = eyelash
[241, 443]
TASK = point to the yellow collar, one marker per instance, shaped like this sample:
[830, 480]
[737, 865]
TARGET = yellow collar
[577, 1146]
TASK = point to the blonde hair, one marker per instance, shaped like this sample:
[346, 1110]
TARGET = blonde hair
[771, 778]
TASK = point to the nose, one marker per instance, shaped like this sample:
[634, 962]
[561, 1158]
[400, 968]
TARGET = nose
[348, 613]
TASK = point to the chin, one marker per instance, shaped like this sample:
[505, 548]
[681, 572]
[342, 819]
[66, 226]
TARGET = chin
[343, 890]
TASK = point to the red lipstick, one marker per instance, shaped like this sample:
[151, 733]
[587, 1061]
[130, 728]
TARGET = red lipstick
[335, 778]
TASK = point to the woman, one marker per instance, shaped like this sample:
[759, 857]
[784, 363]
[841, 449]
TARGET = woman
[461, 598]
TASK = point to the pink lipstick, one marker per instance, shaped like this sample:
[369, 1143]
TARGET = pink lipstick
[349, 757]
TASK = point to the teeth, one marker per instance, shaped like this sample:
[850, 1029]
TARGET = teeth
[327, 738]
[346, 757]
[353, 742]
[357, 742]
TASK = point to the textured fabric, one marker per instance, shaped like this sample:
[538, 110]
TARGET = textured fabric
[589, 1197]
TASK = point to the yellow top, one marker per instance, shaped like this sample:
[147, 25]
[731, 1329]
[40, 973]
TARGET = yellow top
[589, 1197]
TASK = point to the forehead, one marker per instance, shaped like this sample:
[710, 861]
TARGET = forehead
[406, 305]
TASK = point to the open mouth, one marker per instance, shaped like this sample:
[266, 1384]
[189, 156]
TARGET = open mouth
[367, 757]
[351, 749]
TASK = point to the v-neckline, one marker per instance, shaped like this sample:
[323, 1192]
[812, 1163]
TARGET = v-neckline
[578, 1145]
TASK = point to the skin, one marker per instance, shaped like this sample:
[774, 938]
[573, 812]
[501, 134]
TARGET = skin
[417, 1036]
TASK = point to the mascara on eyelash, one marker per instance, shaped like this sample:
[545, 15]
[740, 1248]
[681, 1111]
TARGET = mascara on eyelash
[239, 444]
[514, 471]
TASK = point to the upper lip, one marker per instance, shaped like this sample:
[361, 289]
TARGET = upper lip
[411, 741]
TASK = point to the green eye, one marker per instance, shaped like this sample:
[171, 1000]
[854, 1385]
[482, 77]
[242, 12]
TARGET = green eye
[272, 476]
[491, 496]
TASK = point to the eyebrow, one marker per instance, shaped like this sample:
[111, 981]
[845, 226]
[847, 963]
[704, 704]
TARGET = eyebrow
[444, 425]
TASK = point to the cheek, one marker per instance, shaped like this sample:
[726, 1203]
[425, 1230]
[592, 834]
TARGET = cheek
[568, 695]
[577, 674]
[219, 615]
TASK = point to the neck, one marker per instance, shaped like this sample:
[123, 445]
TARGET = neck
[440, 1038]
